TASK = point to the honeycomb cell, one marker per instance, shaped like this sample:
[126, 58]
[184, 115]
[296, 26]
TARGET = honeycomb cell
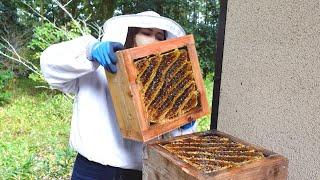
[167, 85]
[210, 153]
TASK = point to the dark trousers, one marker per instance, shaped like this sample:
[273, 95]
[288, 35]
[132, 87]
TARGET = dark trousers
[84, 169]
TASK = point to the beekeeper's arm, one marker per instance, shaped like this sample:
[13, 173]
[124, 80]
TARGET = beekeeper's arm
[63, 63]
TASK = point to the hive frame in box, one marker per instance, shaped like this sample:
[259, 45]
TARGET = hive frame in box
[160, 164]
[130, 112]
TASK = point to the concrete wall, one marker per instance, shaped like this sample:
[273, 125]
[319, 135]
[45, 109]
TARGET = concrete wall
[270, 89]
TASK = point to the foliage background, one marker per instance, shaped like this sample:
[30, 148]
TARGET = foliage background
[35, 122]
[24, 21]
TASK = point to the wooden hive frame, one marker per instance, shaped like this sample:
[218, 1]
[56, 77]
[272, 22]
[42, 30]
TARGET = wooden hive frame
[161, 164]
[126, 97]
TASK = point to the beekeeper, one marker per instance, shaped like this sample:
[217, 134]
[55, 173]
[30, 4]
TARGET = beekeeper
[78, 67]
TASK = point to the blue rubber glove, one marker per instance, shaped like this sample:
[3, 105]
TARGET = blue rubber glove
[104, 54]
[187, 126]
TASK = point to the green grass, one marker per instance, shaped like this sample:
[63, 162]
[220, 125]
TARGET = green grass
[34, 131]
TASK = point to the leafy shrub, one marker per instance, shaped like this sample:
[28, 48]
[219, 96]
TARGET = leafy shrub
[5, 77]
[47, 34]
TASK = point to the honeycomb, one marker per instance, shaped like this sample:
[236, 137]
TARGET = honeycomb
[210, 153]
[167, 85]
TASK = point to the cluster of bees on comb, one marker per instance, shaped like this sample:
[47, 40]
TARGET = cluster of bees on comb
[210, 153]
[167, 85]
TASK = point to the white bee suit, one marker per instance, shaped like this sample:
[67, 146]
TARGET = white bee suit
[95, 133]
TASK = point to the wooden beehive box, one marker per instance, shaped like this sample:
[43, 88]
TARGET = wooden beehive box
[157, 88]
[211, 155]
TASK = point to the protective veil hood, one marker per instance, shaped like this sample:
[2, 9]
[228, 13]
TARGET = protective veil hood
[116, 28]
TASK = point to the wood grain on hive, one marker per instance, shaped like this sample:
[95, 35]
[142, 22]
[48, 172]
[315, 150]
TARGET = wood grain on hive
[211, 155]
[157, 88]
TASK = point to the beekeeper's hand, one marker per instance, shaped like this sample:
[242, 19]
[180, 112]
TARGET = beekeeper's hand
[104, 54]
[187, 126]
